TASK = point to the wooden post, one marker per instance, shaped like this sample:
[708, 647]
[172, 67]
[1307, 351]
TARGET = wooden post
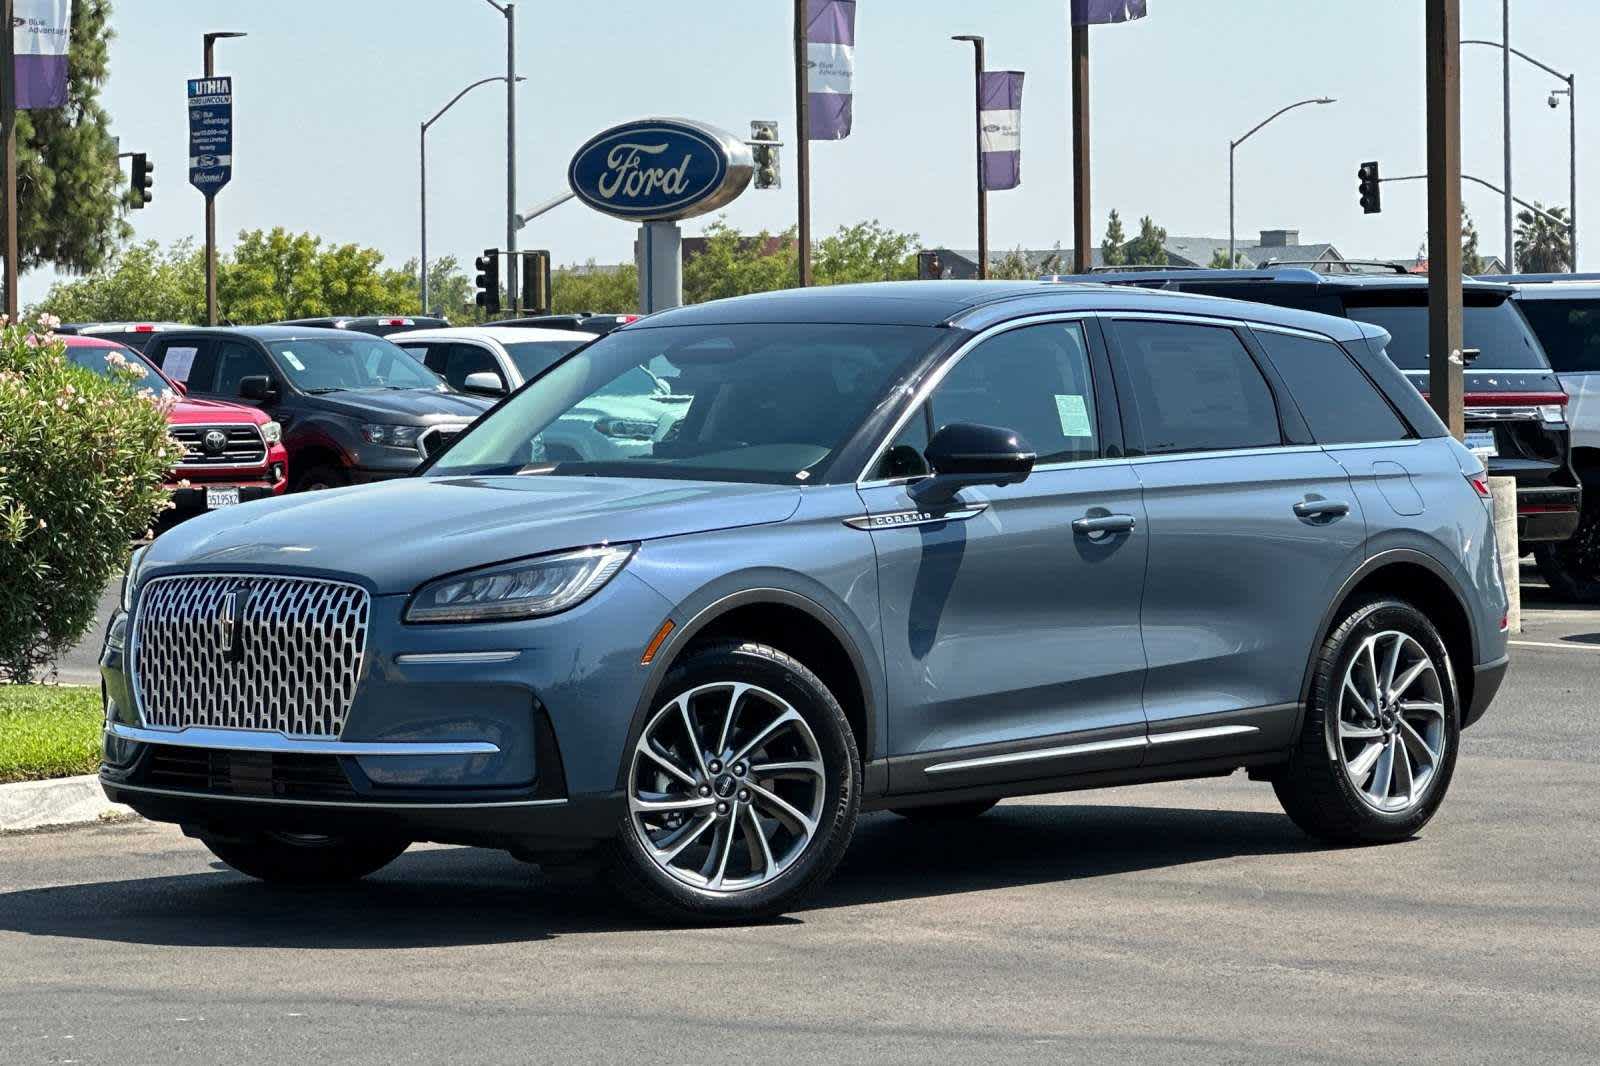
[1442, 42]
[1082, 252]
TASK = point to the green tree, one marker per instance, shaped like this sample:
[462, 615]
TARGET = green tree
[591, 287]
[1219, 260]
[1112, 252]
[138, 281]
[1149, 248]
[276, 274]
[733, 263]
[867, 251]
[1543, 245]
[70, 192]
[1471, 261]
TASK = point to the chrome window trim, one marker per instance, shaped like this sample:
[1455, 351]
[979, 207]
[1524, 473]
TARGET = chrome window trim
[1415, 442]
[277, 802]
[262, 741]
[920, 394]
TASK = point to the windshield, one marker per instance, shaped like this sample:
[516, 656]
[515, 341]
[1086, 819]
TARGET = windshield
[535, 357]
[765, 404]
[1569, 331]
[320, 364]
[101, 360]
[1498, 331]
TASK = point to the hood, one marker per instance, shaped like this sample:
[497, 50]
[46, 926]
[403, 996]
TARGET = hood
[406, 405]
[190, 411]
[395, 535]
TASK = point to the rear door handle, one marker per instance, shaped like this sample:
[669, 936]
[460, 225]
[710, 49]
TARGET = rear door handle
[1321, 509]
[1106, 523]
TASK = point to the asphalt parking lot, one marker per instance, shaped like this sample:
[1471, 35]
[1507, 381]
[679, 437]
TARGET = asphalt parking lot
[1134, 925]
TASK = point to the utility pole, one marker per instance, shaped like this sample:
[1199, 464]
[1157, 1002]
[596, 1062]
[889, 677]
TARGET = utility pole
[1442, 43]
[8, 130]
[1505, 77]
[509, 10]
[983, 193]
[422, 152]
[802, 119]
[1082, 254]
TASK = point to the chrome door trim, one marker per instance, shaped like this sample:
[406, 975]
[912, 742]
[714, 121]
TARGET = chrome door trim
[277, 802]
[413, 658]
[282, 743]
[1090, 748]
[902, 519]
[913, 398]
[1207, 733]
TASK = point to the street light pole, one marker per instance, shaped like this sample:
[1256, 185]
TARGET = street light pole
[1505, 67]
[983, 193]
[210, 40]
[1233, 146]
[509, 11]
[423, 189]
[8, 132]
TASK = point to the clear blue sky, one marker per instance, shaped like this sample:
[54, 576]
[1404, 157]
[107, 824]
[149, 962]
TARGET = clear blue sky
[329, 96]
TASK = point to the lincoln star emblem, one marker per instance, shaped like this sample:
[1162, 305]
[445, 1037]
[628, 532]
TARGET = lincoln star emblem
[230, 626]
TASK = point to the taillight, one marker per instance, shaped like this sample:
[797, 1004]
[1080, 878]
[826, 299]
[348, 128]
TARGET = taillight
[144, 329]
[1480, 485]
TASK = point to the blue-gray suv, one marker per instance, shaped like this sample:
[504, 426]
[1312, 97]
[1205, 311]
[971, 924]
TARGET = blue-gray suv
[915, 547]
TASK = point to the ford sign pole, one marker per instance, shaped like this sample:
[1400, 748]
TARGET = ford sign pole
[983, 194]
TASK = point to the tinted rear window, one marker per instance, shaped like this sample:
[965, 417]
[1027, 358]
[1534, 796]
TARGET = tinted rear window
[1498, 331]
[1194, 388]
[1569, 331]
[1340, 405]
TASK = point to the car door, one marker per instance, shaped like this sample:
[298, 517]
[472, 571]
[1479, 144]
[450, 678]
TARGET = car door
[1251, 530]
[1011, 640]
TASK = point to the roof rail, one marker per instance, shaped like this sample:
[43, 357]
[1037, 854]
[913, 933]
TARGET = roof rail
[1330, 266]
[1129, 268]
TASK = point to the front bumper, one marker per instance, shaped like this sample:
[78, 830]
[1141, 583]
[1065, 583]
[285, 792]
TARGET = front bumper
[193, 498]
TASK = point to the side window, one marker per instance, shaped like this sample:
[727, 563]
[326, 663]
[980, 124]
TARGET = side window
[1339, 404]
[236, 361]
[467, 359]
[1193, 388]
[193, 363]
[1033, 380]
[431, 356]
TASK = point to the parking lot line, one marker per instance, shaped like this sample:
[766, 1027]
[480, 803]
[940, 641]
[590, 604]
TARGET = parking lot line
[1552, 644]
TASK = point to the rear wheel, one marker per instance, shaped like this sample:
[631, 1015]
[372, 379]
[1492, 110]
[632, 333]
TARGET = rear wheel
[743, 789]
[305, 858]
[1378, 745]
[1572, 567]
[946, 812]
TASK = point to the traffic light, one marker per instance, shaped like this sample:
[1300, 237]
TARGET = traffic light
[488, 265]
[143, 180]
[536, 283]
[764, 143]
[1371, 193]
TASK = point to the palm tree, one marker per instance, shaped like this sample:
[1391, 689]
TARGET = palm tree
[1544, 244]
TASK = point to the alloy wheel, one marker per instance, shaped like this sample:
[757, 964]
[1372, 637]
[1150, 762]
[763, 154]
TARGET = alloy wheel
[726, 787]
[1391, 722]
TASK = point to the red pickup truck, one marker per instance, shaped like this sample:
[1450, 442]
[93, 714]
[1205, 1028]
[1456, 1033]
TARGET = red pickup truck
[232, 452]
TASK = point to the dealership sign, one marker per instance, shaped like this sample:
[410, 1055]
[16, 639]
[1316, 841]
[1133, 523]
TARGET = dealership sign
[660, 170]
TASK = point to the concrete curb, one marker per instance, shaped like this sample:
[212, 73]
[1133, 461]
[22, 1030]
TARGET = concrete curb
[65, 801]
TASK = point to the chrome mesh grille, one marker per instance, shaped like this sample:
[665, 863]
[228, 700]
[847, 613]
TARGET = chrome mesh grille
[239, 652]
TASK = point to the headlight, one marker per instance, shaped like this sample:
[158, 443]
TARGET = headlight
[272, 433]
[529, 588]
[393, 436]
[626, 428]
[130, 576]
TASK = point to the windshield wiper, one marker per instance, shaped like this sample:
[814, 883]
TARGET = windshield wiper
[323, 389]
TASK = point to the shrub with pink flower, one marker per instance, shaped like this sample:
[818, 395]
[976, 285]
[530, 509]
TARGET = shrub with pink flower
[81, 475]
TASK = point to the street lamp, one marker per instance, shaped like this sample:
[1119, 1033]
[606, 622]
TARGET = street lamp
[1233, 146]
[510, 12]
[983, 196]
[1571, 93]
[209, 70]
[422, 139]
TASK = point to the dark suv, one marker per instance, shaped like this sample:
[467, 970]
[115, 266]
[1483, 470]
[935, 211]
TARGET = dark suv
[377, 325]
[1515, 406]
[353, 407]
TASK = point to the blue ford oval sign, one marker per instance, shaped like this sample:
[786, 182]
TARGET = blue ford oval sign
[661, 169]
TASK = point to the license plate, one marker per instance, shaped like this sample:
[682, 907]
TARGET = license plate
[221, 498]
[1481, 441]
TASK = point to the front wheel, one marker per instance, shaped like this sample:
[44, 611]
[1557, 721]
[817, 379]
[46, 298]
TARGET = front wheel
[743, 788]
[1378, 745]
[1572, 566]
[304, 858]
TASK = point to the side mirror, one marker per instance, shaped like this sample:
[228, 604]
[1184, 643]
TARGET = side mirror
[485, 383]
[257, 387]
[965, 453]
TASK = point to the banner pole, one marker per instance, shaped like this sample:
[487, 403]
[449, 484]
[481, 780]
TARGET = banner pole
[8, 130]
[802, 111]
[1082, 254]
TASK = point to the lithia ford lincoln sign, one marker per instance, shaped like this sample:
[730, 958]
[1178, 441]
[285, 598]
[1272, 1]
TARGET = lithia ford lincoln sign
[660, 170]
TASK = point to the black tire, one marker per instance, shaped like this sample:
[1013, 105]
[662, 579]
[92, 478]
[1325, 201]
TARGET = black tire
[946, 812]
[296, 859]
[639, 879]
[1314, 788]
[1572, 567]
[322, 476]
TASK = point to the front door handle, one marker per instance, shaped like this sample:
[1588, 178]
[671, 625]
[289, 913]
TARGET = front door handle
[1329, 509]
[1106, 523]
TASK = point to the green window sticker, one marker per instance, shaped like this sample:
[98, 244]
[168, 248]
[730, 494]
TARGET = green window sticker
[1074, 415]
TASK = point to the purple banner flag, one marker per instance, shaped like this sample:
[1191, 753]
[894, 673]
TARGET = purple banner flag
[830, 67]
[41, 32]
[1091, 12]
[1000, 119]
